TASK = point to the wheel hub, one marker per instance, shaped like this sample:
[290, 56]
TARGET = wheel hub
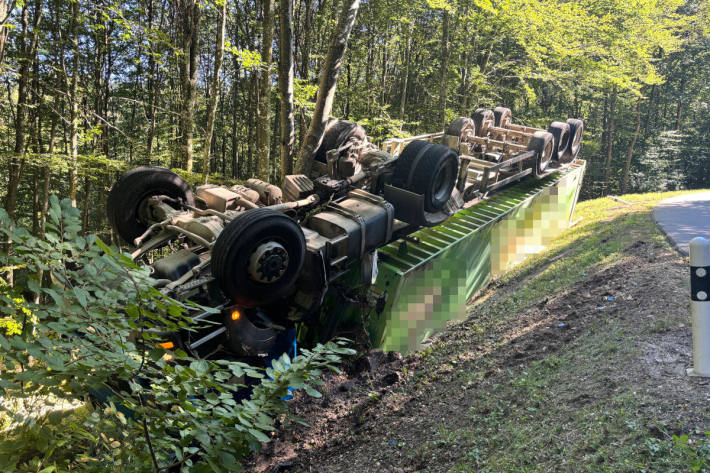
[268, 262]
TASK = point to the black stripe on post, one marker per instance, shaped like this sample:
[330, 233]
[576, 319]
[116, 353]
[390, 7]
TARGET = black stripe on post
[700, 283]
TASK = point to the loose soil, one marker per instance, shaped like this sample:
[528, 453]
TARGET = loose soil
[589, 376]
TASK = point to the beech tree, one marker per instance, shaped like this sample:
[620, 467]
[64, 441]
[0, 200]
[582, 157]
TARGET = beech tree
[263, 128]
[214, 93]
[94, 88]
[189, 13]
[328, 82]
[286, 117]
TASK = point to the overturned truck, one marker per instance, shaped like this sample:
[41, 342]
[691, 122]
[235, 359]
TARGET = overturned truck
[266, 256]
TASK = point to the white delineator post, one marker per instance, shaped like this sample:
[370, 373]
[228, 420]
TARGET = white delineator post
[700, 305]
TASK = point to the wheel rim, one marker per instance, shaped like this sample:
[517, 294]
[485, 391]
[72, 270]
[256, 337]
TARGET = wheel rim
[505, 120]
[144, 213]
[467, 131]
[486, 124]
[268, 262]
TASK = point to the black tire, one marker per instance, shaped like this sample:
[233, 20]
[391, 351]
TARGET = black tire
[576, 129]
[560, 133]
[483, 119]
[429, 169]
[460, 126]
[337, 132]
[123, 206]
[543, 144]
[503, 116]
[240, 239]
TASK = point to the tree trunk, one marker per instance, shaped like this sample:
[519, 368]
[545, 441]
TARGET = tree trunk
[306, 47]
[369, 76]
[87, 202]
[47, 176]
[444, 68]
[222, 134]
[214, 94]
[610, 140]
[152, 89]
[627, 166]
[286, 85]
[385, 61]
[190, 12]
[679, 107]
[22, 81]
[251, 114]
[235, 103]
[74, 104]
[405, 75]
[464, 84]
[35, 201]
[28, 55]
[106, 130]
[16, 161]
[37, 99]
[99, 62]
[649, 108]
[328, 82]
[5, 10]
[263, 123]
[44, 205]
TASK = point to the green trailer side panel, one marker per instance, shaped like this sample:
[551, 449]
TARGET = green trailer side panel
[534, 224]
[426, 281]
[485, 240]
[425, 298]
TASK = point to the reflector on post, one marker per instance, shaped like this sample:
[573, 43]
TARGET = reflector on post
[700, 305]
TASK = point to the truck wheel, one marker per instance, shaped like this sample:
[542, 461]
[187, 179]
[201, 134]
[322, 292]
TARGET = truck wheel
[560, 133]
[258, 256]
[125, 206]
[461, 127]
[576, 129]
[483, 119]
[429, 169]
[503, 116]
[337, 133]
[543, 144]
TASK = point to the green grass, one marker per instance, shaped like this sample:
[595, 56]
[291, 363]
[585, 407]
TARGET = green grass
[534, 418]
[606, 227]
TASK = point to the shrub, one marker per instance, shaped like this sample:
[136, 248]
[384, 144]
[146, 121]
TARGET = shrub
[82, 317]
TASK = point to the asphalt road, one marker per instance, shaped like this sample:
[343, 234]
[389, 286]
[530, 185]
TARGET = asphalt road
[684, 217]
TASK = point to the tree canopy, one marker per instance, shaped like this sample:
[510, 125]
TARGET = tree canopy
[94, 87]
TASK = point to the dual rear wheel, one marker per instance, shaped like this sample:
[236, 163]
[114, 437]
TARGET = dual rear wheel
[428, 169]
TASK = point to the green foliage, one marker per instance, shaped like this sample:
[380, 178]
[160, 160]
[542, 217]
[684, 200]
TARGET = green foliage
[380, 128]
[697, 451]
[546, 60]
[304, 95]
[247, 59]
[94, 330]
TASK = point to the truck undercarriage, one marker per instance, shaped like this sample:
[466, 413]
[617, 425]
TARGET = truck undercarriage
[264, 256]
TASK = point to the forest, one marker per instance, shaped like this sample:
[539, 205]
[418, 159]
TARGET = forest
[225, 91]
[93, 376]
